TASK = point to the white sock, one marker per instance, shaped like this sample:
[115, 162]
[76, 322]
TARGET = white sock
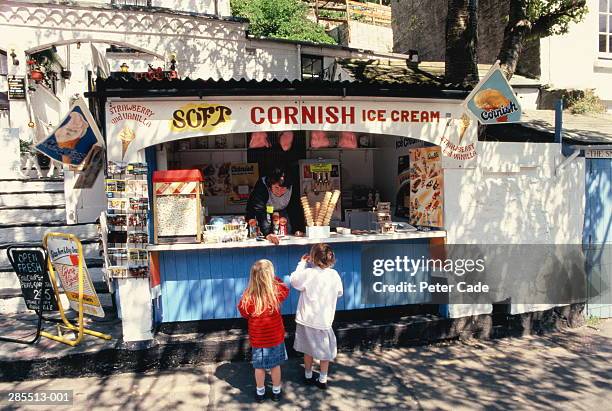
[323, 377]
[308, 373]
[261, 390]
[276, 389]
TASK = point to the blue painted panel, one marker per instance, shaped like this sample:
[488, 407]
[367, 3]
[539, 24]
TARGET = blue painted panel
[207, 309]
[207, 284]
[597, 232]
[229, 292]
[216, 275]
[293, 258]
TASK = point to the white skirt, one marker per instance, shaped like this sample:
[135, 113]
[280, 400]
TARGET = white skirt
[320, 344]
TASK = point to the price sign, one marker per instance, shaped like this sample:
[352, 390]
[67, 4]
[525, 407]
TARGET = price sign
[31, 270]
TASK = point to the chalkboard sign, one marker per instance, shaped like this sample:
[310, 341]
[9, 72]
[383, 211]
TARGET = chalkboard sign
[30, 267]
[16, 88]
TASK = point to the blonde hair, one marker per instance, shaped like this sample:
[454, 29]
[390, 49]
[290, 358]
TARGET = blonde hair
[261, 291]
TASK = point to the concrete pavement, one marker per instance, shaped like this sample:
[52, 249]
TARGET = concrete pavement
[571, 369]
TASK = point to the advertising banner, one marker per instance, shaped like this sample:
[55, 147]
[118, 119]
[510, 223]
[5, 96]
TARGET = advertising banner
[64, 256]
[72, 142]
[426, 187]
[493, 101]
[133, 125]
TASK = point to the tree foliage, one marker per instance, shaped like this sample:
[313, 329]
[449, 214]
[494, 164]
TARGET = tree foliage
[285, 19]
[535, 19]
[551, 17]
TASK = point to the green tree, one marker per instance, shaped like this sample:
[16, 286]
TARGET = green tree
[285, 19]
[532, 20]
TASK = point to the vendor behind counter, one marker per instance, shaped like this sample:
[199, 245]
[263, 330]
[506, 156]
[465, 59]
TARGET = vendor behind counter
[275, 192]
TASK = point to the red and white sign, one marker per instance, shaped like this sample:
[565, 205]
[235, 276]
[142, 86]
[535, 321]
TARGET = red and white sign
[132, 126]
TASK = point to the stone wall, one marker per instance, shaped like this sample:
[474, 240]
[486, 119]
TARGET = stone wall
[421, 25]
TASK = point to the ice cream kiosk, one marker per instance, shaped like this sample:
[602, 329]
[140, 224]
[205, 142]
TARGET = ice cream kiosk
[352, 149]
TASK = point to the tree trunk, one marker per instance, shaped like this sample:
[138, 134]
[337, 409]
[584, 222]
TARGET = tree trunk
[515, 35]
[461, 42]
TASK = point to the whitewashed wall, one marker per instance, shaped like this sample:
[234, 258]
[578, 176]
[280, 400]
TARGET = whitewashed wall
[370, 37]
[514, 197]
[571, 60]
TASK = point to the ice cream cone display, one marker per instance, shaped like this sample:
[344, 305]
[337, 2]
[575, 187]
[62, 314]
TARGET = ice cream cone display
[317, 210]
[323, 210]
[126, 136]
[331, 207]
[307, 211]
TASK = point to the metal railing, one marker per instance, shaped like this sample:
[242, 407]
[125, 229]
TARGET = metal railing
[344, 10]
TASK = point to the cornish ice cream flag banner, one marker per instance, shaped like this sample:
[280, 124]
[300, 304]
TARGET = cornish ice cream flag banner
[75, 137]
[493, 101]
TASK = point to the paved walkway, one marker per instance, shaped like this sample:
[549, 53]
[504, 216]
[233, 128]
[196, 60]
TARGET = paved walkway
[565, 370]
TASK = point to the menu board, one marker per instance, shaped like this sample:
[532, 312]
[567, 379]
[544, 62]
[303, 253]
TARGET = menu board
[31, 270]
[426, 187]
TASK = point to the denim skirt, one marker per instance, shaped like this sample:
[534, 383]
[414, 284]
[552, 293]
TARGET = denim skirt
[269, 357]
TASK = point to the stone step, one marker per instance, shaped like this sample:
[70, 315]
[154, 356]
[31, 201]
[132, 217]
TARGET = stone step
[39, 185]
[32, 198]
[90, 251]
[35, 233]
[24, 215]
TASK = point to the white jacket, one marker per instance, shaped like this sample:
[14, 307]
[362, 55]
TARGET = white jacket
[320, 289]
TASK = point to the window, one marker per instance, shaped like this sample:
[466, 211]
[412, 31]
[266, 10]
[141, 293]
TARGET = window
[605, 27]
[312, 67]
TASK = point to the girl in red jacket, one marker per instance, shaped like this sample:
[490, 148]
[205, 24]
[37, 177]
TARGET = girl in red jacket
[260, 305]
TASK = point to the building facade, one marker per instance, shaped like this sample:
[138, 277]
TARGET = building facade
[202, 37]
[587, 64]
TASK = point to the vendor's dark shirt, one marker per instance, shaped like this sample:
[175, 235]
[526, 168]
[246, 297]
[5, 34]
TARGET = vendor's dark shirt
[256, 208]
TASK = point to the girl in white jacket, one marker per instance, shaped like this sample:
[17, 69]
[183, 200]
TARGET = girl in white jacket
[320, 286]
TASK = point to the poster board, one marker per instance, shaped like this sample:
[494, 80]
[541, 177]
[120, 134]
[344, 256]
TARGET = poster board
[243, 177]
[64, 256]
[425, 201]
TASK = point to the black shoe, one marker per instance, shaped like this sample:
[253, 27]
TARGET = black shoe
[277, 397]
[319, 384]
[311, 380]
[259, 398]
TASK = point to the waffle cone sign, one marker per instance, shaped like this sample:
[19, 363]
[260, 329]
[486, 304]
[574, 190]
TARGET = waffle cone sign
[493, 100]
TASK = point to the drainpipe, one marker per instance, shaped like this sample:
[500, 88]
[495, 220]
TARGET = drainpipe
[298, 49]
[217, 8]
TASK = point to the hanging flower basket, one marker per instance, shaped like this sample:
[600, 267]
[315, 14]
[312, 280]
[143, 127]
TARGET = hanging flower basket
[36, 75]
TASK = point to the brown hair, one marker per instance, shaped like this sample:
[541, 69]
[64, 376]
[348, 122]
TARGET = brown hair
[322, 255]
